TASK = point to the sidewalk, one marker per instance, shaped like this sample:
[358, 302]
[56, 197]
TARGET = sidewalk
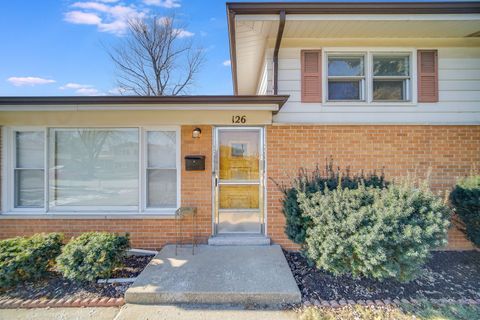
[199, 312]
[144, 312]
[59, 314]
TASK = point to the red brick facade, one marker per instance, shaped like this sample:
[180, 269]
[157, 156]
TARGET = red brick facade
[449, 151]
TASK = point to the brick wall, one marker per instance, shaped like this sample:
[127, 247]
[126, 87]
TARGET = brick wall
[449, 151]
[145, 233]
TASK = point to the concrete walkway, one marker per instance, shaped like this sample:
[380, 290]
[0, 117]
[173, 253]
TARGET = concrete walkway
[226, 274]
[60, 314]
[145, 312]
[199, 312]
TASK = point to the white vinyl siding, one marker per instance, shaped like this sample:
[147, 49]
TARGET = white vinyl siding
[459, 94]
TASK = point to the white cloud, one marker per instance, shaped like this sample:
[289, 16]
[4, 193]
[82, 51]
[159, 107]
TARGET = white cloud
[81, 89]
[107, 17]
[163, 3]
[73, 85]
[182, 33]
[79, 17]
[29, 81]
[227, 63]
[116, 91]
[88, 92]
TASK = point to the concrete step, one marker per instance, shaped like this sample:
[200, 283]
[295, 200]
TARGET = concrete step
[216, 275]
[239, 240]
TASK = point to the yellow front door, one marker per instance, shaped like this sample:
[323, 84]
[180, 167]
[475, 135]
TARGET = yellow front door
[239, 180]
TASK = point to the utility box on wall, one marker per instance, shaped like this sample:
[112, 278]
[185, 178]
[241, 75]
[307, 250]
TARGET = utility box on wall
[194, 163]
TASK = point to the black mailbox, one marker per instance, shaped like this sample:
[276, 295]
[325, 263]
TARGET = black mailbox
[194, 163]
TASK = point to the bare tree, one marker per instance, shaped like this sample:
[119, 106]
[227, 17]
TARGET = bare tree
[155, 59]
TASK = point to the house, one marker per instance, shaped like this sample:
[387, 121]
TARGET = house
[392, 86]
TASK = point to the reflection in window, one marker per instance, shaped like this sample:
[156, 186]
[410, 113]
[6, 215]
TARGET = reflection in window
[346, 77]
[94, 167]
[391, 77]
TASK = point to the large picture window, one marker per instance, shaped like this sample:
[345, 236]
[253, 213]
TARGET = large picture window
[94, 167]
[96, 170]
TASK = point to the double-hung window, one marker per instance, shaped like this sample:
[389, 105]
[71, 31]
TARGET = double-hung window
[161, 169]
[372, 76]
[391, 77]
[95, 170]
[28, 169]
[346, 77]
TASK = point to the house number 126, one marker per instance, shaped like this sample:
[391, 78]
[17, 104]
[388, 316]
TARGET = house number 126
[239, 119]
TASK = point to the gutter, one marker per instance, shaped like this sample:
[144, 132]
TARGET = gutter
[281, 26]
[233, 48]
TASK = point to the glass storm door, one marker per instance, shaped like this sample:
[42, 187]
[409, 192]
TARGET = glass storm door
[238, 180]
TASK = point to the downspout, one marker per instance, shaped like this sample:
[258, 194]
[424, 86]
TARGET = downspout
[281, 26]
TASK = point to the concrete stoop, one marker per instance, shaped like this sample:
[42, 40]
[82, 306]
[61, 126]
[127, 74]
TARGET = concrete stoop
[239, 240]
[216, 275]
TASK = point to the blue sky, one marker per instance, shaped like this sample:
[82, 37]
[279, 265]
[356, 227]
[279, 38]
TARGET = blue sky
[54, 47]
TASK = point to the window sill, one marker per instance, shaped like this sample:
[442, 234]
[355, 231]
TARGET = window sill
[369, 104]
[90, 215]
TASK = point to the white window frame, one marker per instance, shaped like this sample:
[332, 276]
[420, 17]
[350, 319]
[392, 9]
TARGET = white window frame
[144, 165]
[11, 153]
[369, 52]
[8, 184]
[408, 87]
[362, 79]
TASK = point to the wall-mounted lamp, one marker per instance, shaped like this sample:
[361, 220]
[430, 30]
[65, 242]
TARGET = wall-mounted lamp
[196, 133]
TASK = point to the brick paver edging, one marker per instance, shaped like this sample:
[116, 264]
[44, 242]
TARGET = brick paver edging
[386, 302]
[61, 303]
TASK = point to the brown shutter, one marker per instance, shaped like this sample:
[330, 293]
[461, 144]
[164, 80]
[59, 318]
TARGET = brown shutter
[311, 76]
[427, 75]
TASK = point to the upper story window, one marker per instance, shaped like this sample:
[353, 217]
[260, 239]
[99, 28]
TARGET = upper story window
[391, 77]
[346, 77]
[94, 169]
[368, 77]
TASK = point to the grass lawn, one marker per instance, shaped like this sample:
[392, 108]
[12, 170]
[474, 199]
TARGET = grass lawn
[422, 311]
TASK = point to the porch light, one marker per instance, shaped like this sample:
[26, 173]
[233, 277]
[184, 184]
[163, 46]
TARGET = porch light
[196, 133]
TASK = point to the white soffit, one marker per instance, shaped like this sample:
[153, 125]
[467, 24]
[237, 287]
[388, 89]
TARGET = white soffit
[253, 31]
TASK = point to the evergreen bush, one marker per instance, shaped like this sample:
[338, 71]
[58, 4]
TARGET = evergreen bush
[374, 232]
[27, 258]
[92, 255]
[296, 222]
[465, 198]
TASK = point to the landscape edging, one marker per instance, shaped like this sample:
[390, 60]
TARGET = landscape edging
[61, 303]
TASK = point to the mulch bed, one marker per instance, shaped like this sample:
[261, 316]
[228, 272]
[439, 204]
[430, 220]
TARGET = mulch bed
[447, 275]
[54, 286]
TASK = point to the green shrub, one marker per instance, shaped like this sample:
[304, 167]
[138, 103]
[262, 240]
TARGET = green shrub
[373, 232]
[92, 255]
[297, 223]
[465, 197]
[29, 258]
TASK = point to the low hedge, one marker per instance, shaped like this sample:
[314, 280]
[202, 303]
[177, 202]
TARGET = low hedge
[373, 232]
[92, 255]
[27, 258]
[465, 198]
[296, 222]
